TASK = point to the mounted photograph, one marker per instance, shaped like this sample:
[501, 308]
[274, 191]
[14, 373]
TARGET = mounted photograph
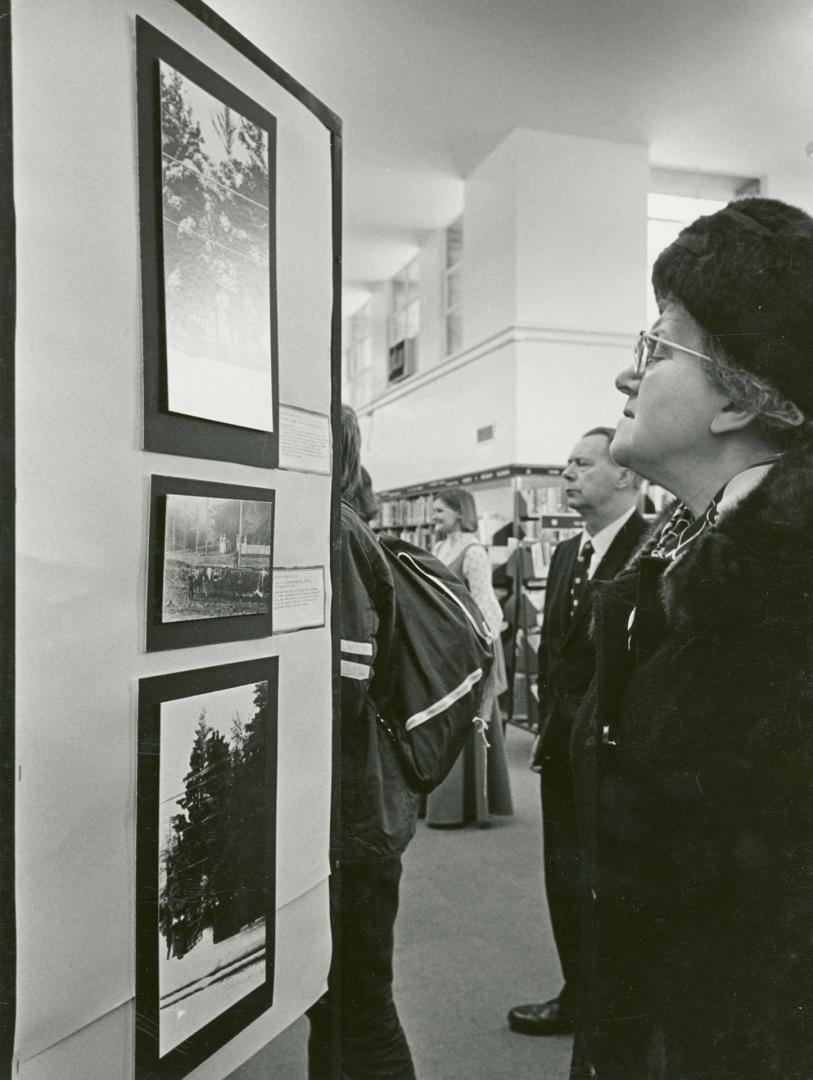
[211, 562]
[207, 772]
[208, 213]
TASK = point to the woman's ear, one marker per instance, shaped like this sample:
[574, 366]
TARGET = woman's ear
[730, 419]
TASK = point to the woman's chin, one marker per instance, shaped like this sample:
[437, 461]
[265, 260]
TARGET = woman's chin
[621, 447]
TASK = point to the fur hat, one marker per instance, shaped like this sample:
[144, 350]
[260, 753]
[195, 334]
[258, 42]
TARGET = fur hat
[745, 273]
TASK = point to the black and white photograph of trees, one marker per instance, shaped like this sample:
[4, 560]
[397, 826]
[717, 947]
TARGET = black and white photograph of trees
[216, 211]
[217, 558]
[213, 835]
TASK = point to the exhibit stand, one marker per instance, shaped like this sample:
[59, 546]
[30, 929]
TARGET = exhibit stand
[176, 199]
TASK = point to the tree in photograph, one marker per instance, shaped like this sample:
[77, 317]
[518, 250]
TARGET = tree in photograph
[244, 220]
[198, 887]
[213, 858]
[248, 818]
[188, 215]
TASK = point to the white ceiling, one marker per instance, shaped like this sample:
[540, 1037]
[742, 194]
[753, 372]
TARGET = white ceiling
[426, 88]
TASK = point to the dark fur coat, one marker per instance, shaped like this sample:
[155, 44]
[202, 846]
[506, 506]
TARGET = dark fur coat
[693, 764]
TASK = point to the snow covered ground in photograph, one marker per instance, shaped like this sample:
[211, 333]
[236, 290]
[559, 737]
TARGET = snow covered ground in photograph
[200, 986]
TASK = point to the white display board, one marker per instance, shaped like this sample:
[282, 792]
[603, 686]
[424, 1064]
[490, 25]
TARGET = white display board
[83, 484]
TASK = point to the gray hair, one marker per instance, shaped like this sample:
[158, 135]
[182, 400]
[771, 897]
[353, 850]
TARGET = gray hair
[780, 421]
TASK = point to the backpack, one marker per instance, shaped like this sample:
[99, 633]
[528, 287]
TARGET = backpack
[429, 694]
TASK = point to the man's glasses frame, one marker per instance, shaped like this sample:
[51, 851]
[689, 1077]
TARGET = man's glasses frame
[644, 350]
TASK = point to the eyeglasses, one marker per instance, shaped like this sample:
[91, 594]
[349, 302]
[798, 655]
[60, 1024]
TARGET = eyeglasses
[645, 345]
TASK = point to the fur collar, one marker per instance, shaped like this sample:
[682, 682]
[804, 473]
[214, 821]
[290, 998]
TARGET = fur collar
[752, 572]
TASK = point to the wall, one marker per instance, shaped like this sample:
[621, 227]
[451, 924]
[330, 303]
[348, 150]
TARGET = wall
[792, 185]
[581, 232]
[83, 485]
[489, 246]
[553, 295]
[565, 386]
[428, 427]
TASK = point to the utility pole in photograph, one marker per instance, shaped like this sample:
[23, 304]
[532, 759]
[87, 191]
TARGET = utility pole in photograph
[239, 534]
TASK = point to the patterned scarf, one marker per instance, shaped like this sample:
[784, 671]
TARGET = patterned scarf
[683, 528]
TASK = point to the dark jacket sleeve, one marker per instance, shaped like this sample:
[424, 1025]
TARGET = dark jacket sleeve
[544, 641]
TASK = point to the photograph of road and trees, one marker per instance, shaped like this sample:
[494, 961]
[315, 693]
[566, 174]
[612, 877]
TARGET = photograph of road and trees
[217, 558]
[214, 832]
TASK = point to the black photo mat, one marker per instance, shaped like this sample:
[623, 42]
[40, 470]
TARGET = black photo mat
[210, 569]
[205, 861]
[207, 182]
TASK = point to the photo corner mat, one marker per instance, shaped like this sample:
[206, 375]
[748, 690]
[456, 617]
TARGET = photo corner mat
[207, 182]
[206, 839]
[210, 573]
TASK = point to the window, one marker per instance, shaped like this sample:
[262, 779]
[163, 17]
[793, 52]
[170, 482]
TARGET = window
[676, 199]
[358, 356]
[452, 292]
[404, 322]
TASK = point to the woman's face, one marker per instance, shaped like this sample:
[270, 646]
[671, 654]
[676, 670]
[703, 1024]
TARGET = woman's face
[444, 519]
[670, 406]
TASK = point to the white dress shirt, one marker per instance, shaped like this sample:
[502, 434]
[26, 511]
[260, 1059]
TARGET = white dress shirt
[602, 540]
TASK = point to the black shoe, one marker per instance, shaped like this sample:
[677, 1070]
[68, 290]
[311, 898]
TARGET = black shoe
[549, 1018]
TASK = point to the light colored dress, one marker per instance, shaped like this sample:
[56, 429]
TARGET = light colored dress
[477, 786]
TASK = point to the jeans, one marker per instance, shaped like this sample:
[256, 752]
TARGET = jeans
[371, 1044]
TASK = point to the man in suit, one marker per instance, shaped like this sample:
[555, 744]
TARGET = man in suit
[605, 495]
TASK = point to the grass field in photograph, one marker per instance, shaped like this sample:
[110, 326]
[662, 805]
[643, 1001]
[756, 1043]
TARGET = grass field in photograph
[209, 586]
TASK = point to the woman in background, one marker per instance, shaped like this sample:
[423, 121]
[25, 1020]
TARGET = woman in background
[478, 784]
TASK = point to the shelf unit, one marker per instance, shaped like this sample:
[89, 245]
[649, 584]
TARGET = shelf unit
[508, 499]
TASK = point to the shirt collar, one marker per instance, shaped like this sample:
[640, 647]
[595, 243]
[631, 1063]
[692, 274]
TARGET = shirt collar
[603, 538]
[741, 485]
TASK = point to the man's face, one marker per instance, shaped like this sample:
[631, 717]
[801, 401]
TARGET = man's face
[591, 477]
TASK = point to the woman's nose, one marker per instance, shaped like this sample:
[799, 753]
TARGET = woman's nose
[626, 381]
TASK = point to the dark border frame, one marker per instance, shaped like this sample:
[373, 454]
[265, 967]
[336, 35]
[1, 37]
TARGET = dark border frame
[204, 1042]
[8, 308]
[164, 431]
[174, 635]
[336, 604]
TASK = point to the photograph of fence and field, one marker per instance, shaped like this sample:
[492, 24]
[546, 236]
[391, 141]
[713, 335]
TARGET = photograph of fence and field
[217, 557]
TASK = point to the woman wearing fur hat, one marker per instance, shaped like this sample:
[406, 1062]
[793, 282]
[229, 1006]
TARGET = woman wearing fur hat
[694, 754]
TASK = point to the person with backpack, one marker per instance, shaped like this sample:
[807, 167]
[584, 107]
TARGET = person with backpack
[378, 812]
[478, 784]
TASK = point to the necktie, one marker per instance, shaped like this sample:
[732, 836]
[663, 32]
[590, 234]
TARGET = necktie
[581, 578]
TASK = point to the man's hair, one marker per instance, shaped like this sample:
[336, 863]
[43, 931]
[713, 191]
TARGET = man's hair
[462, 502]
[607, 432]
[351, 455]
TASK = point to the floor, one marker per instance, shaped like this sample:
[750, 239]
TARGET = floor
[473, 938]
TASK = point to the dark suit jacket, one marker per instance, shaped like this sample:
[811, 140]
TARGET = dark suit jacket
[566, 655]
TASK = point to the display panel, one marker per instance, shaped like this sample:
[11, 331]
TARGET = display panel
[206, 860]
[207, 182]
[211, 557]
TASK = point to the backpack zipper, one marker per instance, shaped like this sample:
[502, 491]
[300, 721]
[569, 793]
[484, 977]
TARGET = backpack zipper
[404, 557]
